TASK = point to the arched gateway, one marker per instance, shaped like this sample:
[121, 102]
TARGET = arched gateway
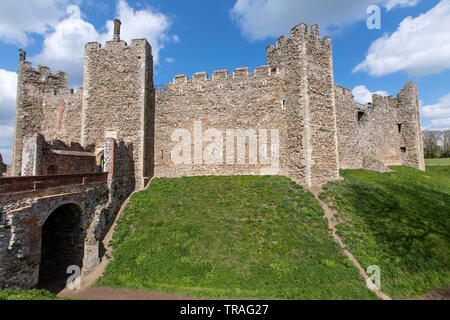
[62, 240]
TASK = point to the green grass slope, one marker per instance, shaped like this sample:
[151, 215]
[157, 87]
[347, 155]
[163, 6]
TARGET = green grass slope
[437, 162]
[28, 295]
[399, 221]
[230, 237]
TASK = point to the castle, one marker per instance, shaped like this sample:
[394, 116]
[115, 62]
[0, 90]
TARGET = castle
[320, 128]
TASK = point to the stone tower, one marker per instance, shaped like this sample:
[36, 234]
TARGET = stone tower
[118, 99]
[33, 85]
[411, 131]
[307, 63]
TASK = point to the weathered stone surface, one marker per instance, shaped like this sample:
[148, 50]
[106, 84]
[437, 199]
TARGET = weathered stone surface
[27, 202]
[321, 129]
[40, 157]
[3, 167]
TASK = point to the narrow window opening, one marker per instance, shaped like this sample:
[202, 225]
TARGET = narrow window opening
[399, 127]
[403, 149]
[360, 115]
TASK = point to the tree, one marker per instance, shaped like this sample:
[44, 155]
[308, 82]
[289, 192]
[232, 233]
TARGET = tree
[431, 141]
[446, 144]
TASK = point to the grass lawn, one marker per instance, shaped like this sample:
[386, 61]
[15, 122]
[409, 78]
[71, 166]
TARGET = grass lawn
[28, 295]
[399, 221]
[437, 162]
[230, 237]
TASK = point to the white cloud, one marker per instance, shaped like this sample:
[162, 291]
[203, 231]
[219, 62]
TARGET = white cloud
[20, 18]
[6, 142]
[401, 3]
[8, 87]
[259, 19]
[438, 114]
[170, 60]
[137, 24]
[363, 95]
[419, 46]
[64, 47]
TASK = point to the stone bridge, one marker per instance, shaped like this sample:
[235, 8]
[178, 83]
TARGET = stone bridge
[48, 223]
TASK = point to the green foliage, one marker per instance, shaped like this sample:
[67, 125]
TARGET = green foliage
[399, 221]
[230, 237]
[34, 294]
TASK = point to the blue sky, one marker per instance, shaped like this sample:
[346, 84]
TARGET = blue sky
[413, 43]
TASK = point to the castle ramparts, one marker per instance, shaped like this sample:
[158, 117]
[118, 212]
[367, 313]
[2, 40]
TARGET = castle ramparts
[321, 129]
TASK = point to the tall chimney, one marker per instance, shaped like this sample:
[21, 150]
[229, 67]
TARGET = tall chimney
[117, 24]
[23, 55]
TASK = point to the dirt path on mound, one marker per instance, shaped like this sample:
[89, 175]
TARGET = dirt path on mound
[119, 294]
[332, 223]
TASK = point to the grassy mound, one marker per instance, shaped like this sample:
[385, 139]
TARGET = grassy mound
[399, 221]
[27, 295]
[437, 162]
[234, 237]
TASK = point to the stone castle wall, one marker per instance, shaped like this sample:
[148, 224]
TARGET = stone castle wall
[307, 61]
[44, 105]
[291, 102]
[388, 130]
[118, 99]
[238, 101]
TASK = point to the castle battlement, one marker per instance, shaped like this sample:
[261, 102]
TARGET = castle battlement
[321, 128]
[118, 45]
[43, 74]
[223, 77]
[300, 33]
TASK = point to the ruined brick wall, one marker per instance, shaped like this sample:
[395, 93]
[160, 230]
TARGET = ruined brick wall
[21, 222]
[40, 157]
[44, 105]
[54, 162]
[240, 101]
[307, 61]
[117, 99]
[388, 130]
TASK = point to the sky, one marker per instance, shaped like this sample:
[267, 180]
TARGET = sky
[412, 43]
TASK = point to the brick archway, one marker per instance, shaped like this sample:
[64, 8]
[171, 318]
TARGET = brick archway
[62, 240]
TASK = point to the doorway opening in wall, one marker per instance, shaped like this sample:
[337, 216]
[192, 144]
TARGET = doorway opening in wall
[62, 243]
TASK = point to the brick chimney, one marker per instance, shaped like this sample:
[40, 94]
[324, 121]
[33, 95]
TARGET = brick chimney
[117, 24]
[23, 55]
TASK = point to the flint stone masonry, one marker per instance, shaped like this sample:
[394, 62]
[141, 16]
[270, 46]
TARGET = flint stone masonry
[321, 129]
[118, 96]
[287, 115]
[27, 202]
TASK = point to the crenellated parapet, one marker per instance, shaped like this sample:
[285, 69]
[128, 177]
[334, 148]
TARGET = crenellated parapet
[118, 46]
[42, 77]
[301, 36]
[220, 79]
[118, 98]
[45, 104]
